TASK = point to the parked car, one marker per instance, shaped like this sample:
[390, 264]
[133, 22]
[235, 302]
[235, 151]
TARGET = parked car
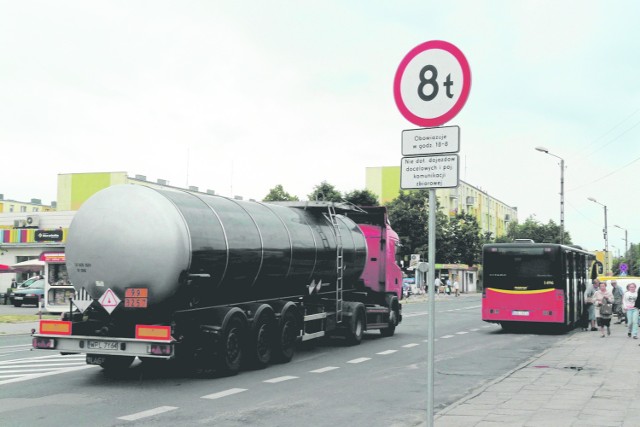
[28, 282]
[29, 295]
[408, 286]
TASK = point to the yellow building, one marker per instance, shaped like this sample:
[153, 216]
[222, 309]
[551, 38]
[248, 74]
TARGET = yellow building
[75, 188]
[492, 215]
[14, 206]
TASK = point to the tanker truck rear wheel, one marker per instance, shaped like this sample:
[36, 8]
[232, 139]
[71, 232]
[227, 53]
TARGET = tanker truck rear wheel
[230, 348]
[285, 342]
[260, 346]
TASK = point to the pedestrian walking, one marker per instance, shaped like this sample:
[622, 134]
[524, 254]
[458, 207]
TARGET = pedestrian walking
[618, 293]
[629, 300]
[591, 309]
[439, 287]
[456, 287]
[603, 302]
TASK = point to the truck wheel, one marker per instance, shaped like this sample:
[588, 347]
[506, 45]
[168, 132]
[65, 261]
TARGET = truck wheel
[393, 321]
[285, 342]
[355, 333]
[259, 348]
[230, 347]
[117, 364]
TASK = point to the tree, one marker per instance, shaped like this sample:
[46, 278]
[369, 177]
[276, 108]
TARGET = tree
[408, 215]
[465, 239]
[326, 192]
[277, 194]
[362, 198]
[539, 233]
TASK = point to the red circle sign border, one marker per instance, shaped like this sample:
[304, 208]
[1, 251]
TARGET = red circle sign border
[466, 75]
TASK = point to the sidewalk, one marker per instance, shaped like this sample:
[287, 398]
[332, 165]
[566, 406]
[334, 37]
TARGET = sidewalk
[584, 380]
[18, 328]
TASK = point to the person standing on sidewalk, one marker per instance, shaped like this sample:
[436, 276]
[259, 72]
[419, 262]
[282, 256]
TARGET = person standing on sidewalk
[618, 293]
[629, 300]
[601, 297]
[589, 303]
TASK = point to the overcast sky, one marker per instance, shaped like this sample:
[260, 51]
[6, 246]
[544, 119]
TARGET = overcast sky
[239, 96]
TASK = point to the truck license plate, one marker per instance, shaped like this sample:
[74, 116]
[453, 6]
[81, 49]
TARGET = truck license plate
[95, 360]
[102, 345]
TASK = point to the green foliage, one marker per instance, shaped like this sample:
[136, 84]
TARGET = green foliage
[362, 198]
[631, 258]
[277, 194]
[408, 214]
[459, 239]
[465, 240]
[325, 192]
[538, 232]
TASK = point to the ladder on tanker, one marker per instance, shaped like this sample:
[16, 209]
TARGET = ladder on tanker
[339, 262]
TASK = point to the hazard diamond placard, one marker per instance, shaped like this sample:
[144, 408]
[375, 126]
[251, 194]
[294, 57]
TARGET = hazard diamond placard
[109, 300]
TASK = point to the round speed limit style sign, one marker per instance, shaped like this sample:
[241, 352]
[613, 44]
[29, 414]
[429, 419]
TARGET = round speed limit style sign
[432, 83]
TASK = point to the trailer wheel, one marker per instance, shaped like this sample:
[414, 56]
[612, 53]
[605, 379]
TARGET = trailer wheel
[259, 347]
[116, 364]
[230, 347]
[393, 321]
[285, 342]
[355, 333]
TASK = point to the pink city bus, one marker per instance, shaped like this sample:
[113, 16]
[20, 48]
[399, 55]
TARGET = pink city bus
[526, 284]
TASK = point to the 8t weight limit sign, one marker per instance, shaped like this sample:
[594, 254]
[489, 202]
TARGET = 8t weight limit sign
[432, 83]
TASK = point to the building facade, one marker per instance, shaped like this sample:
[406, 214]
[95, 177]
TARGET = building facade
[33, 206]
[492, 215]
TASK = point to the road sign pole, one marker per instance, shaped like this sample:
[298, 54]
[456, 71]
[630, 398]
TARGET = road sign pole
[431, 277]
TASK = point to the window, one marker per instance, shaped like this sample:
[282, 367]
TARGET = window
[23, 208]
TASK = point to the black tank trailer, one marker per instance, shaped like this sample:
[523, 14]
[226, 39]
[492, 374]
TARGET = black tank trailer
[214, 281]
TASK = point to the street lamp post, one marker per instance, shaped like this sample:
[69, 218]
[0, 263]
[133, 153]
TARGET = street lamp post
[626, 248]
[544, 150]
[606, 235]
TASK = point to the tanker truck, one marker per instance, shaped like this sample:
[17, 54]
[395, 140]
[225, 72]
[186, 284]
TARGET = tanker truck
[217, 284]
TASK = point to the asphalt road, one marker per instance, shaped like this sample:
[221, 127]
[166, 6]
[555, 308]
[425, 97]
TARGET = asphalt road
[381, 382]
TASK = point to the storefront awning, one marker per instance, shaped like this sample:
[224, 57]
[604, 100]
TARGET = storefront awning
[29, 265]
[6, 269]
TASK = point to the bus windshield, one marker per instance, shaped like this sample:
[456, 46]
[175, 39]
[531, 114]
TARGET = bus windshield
[518, 267]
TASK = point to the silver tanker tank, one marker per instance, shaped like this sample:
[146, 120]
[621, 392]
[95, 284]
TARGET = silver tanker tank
[196, 250]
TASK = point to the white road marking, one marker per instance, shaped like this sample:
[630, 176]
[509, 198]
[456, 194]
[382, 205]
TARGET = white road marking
[280, 379]
[474, 330]
[384, 353]
[447, 336]
[424, 313]
[462, 333]
[225, 393]
[323, 370]
[46, 374]
[359, 360]
[410, 345]
[149, 413]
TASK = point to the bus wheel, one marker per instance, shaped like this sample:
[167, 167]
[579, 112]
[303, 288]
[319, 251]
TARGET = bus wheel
[285, 341]
[230, 347]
